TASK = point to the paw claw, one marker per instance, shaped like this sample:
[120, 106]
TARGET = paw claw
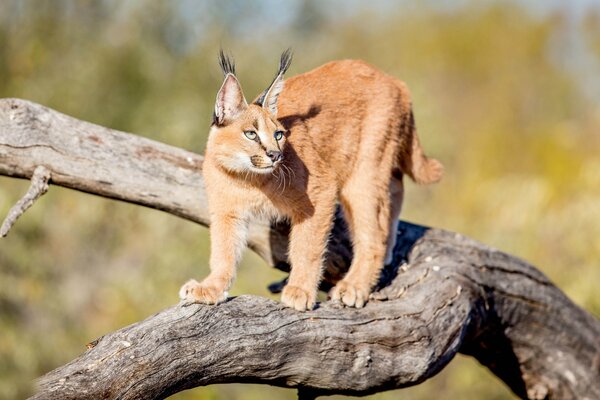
[298, 298]
[206, 293]
[350, 294]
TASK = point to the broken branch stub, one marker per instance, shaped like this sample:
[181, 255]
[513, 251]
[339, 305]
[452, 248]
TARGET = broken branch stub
[37, 188]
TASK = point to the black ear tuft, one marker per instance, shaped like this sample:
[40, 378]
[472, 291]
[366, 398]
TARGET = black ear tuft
[285, 61]
[284, 64]
[227, 64]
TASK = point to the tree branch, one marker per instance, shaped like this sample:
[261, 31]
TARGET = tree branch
[453, 295]
[38, 187]
[444, 294]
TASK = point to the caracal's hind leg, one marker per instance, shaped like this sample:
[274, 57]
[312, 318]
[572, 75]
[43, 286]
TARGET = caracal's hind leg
[366, 199]
[396, 198]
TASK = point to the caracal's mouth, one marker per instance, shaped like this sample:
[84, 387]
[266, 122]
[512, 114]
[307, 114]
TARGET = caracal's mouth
[265, 168]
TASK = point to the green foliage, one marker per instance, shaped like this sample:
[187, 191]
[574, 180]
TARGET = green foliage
[504, 97]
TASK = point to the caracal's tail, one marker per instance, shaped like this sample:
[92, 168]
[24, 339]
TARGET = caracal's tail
[413, 161]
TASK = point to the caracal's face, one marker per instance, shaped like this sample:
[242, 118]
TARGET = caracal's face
[252, 142]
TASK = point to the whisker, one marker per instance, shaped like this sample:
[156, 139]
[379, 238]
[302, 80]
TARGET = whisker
[289, 176]
[284, 170]
[283, 174]
[290, 172]
[277, 178]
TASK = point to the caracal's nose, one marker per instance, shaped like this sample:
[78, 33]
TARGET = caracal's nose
[274, 155]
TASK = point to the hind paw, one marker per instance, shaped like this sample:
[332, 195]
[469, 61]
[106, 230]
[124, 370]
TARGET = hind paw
[349, 293]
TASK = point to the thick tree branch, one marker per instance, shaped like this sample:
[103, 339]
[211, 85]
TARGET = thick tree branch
[453, 295]
[445, 294]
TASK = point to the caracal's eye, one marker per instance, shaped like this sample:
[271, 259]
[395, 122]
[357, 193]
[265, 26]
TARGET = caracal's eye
[250, 135]
[278, 135]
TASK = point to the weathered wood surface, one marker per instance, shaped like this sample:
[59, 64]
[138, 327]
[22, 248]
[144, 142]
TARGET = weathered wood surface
[445, 294]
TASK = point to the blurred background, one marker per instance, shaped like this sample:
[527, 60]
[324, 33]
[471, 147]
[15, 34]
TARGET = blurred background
[506, 95]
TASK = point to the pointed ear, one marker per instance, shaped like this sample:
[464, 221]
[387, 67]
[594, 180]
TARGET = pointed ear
[268, 99]
[230, 100]
[269, 102]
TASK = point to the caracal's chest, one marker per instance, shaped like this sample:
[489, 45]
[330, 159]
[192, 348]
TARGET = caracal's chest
[265, 206]
[228, 196]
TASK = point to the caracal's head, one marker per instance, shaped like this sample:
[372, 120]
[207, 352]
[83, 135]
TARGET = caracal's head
[247, 138]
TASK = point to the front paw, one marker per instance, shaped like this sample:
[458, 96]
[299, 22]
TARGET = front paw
[298, 298]
[350, 294]
[205, 292]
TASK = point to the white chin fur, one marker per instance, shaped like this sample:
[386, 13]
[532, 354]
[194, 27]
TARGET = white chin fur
[240, 163]
[267, 170]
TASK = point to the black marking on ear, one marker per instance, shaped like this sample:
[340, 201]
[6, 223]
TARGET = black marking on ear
[226, 63]
[284, 63]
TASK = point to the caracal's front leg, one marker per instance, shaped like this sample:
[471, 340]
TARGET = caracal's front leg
[227, 241]
[308, 240]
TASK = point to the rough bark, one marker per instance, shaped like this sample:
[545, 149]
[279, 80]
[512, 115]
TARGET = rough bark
[443, 294]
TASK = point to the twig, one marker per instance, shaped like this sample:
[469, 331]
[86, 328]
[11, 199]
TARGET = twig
[39, 186]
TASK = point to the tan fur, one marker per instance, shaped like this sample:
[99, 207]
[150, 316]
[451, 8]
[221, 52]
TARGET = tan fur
[349, 137]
